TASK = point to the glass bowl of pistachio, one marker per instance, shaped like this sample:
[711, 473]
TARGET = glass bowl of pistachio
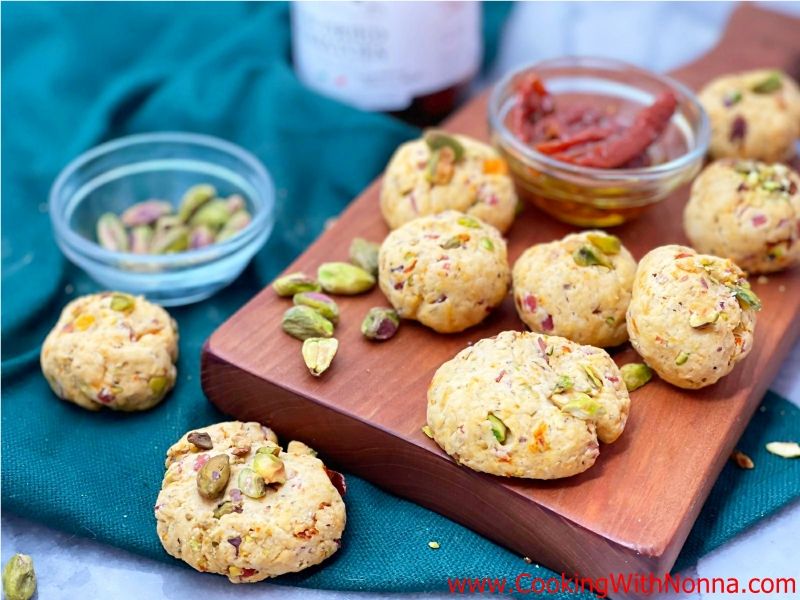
[173, 216]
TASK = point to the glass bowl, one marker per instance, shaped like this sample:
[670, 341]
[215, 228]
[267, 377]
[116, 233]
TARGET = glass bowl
[593, 197]
[122, 172]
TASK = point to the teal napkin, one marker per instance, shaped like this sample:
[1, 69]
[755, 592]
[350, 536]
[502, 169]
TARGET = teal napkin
[78, 74]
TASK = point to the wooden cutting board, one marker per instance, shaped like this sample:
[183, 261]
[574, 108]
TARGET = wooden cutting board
[629, 513]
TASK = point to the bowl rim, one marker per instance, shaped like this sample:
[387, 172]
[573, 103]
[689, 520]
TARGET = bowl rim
[703, 132]
[196, 257]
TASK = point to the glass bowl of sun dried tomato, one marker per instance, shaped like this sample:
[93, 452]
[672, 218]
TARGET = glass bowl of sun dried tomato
[596, 141]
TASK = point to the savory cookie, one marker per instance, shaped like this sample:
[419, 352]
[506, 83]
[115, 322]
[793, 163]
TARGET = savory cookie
[755, 114]
[691, 316]
[578, 287]
[747, 211]
[111, 350]
[475, 182]
[527, 405]
[233, 503]
[447, 271]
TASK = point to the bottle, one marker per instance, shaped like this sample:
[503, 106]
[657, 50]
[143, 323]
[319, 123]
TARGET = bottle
[411, 59]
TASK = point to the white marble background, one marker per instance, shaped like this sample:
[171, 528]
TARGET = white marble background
[660, 36]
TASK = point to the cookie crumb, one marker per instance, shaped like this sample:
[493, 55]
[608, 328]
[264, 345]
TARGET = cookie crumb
[433, 545]
[763, 279]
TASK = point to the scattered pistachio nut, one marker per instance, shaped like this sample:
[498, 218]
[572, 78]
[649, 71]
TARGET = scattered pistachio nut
[364, 254]
[499, 429]
[173, 240]
[19, 578]
[140, 239]
[295, 283]
[322, 303]
[303, 322]
[344, 278]
[145, 213]
[772, 83]
[194, 198]
[269, 468]
[200, 439]
[587, 256]
[380, 323]
[742, 460]
[213, 214]
[111, 233]
[318, 354]
[608, 243]
[212, 478]
[635, 375]
[784, 449]
[238, 221]
[251, 483]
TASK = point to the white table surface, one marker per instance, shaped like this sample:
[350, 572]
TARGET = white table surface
[660, 36]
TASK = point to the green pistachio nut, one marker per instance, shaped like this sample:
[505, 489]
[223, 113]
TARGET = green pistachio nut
[583, 406]
[746, 297]
[698, 320]
[380, 323]
[593, 376]
[19, 578]
[122, 302]
[609, 244]
[470, 222]
[563, 384]
[303, 322]
[426, 429]
[171, 241]
[236, 203]
[200, 237]
[111, 233]
[436, 140]
[194, 198]
[269, 448]
[295, 283]
[238, 221]
[732, 98]
[157, 384]
[682, 358]
[145, 213]
[499, 429]
[344, 278]
[587, 256]
[212, 478]
[251, 483]
[269, 467]
[635, 375]
[223, 509]
[140, 239]
[318, 354]
[771, 83]
[213, 214]
[322, 303]
[364, 254]
[486, 244]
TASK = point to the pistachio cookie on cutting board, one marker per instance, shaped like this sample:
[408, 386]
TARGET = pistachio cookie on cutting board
[113, 350]
[233, 502]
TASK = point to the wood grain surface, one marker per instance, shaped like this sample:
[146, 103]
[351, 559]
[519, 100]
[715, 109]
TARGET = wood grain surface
[629, 513]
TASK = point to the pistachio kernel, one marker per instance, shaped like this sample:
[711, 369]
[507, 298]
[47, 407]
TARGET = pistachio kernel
[364, 254]
[771, 83]
[454, 242]
[318, 354]
[157, 384]
[466, 221]
[295, 283]
[212, 478]
[635, 375]
[213, 214]
[593, 376]
[436, 139]
[322, 303]
[563, 384]
[145, 213]
[269, 468]
[499, 429]
[269, 448]
[698, 320]
[486, 244]
[303, 322]
[732, 98]
[746, 297]
[122, 302]
[194, 198]
[380, 323]
[200, 439]
[19, 578]
[682, 358]
[344, 278]
[441, 166]
[251, 483]
[784, 449]
[608, 243]
[223, 509]
[111, 233]
[587, 256]
[426, 429]
[171, 241]
[582, 406]
[84, 321]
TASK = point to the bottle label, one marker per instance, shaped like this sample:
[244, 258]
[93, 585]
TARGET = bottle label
[381, 55]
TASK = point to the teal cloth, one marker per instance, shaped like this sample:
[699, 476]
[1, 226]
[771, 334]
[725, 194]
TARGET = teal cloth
[77, 74]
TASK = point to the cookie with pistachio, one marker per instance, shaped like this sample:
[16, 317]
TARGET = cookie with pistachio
[447, 271]
[747, 211]
[113, 350]
[692, 316]
[442, 172]
[234, 502]
[577, 287]
[527, 405]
